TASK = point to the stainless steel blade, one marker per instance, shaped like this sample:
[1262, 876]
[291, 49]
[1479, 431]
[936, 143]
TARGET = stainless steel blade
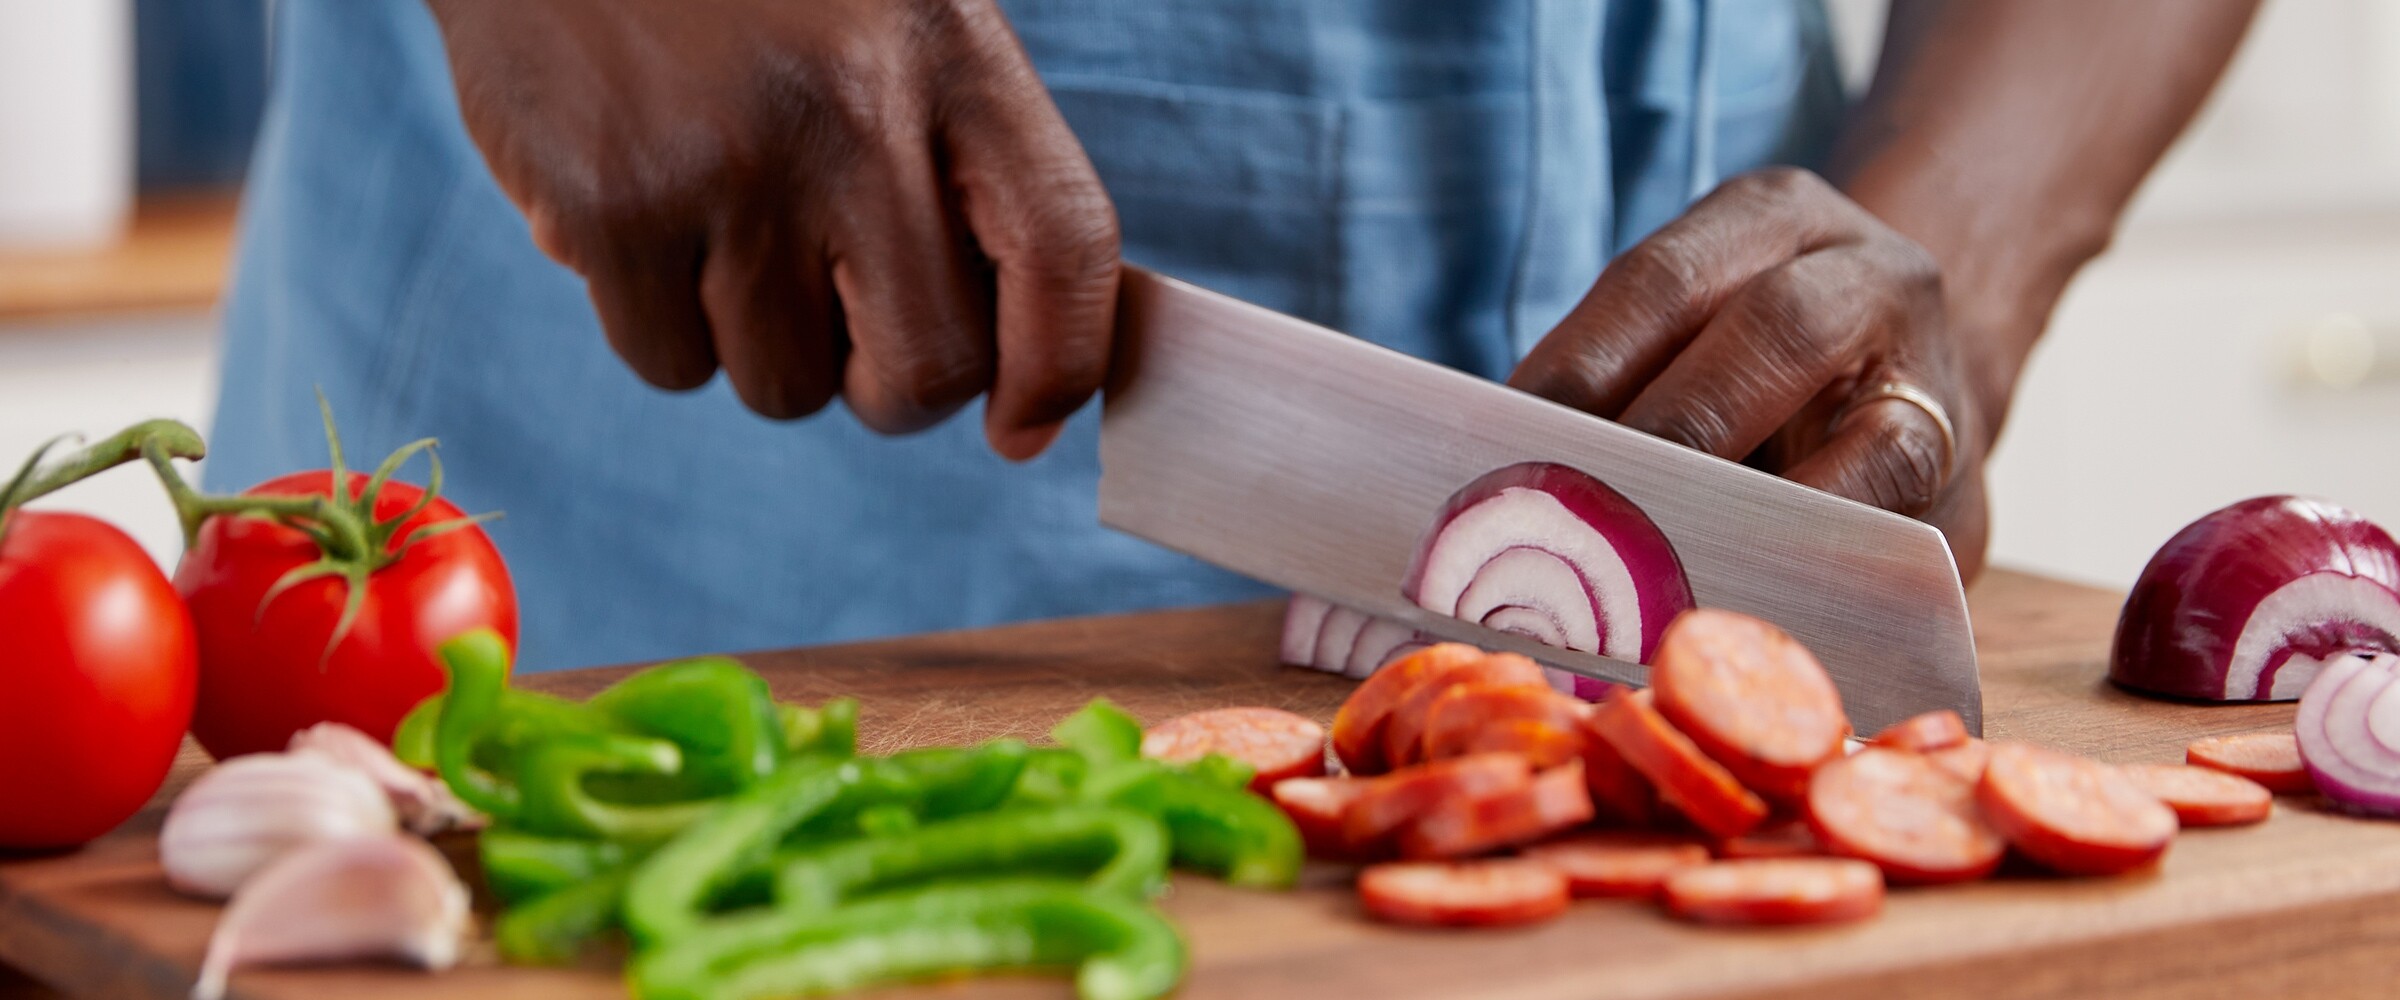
[1313, 460]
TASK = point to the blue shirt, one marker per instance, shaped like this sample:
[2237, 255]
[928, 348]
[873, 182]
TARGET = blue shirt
[1445, 177]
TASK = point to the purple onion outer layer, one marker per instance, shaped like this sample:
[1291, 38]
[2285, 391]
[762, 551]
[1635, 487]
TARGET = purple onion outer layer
[2348, 728]
[2249, 602]
[1609, 585]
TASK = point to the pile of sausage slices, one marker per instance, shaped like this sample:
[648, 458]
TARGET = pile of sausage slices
[1730, 791]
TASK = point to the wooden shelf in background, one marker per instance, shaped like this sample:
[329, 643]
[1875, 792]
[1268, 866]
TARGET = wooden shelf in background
[175, 256]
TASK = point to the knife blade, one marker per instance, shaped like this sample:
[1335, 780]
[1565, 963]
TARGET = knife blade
[1314, 461]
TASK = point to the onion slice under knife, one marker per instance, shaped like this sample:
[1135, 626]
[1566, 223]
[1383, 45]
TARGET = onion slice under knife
[1550, 553]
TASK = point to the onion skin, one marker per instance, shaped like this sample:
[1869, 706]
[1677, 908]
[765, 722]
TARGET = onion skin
[2248, 603]
[1632, 549]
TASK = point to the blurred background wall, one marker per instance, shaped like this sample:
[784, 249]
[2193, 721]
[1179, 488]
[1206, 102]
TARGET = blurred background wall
[2242, 337]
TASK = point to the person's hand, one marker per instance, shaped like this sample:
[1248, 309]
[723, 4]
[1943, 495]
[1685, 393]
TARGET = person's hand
[874, 199]
[1758, 326]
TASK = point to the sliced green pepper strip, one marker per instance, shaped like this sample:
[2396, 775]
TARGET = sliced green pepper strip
[412, 741]
[1114, 850]
[1223, 831]
[1221, 771]
[478, 663]
[673, 892]
[1052, 777]
[555, 927]
[890, 819]
[716, 711]
[520, 866]
[1101, 732]
[1121, 949]
[553, 796]
[830, 728]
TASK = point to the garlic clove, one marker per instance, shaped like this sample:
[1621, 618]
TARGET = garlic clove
[243, 814]
[424, 803]
[390, 896]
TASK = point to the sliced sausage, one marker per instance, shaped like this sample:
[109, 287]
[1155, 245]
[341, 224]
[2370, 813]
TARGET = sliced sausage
[1488, 893]
[2071, 814]
[1618, 863]
[1619, 792]
[1775, 891]
[1538, 722]
[1468, 825]
[2203, 796]
[1965, 760]
[1687, 779]
[1939, 730]
[1358, 725]
[2271, 759]
[1786, 839]
[1404, 732]
[1909, 816]
[1275, 743]
[1392, 800]
[1751, 697]
[1316, 806]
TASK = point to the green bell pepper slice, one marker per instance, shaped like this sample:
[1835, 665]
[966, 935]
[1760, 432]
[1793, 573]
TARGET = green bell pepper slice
[1226, 832]
[519, 865]
[673, 892]
[717, 713]
[1113, 850]
[555, 927]
[1120, 948]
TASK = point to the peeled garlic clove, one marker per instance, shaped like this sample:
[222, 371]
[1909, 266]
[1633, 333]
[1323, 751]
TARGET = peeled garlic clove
[424, 803]
[248, 811]
[390, 896]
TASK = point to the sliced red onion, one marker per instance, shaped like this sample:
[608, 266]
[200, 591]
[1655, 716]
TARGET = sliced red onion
[1550, 553]
[1303, 618]
[2250, 602]
[2348, 728]
[1374, 646]
[1337, 636]
[1321, 635]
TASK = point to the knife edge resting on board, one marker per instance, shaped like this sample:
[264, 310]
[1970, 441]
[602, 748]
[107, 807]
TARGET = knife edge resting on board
[1315, 461]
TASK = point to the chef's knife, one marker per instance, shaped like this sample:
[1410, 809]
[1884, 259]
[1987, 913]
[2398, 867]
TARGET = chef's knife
[1314, 461]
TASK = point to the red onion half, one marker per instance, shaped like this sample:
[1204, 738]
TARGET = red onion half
[2250, 602]
[1550, 553]
[2349, 732]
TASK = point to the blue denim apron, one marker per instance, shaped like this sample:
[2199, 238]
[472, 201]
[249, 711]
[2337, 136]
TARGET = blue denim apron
[1443, 177]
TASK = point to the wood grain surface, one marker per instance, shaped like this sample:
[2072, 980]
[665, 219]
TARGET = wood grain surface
[174, 256]
[2307, 904]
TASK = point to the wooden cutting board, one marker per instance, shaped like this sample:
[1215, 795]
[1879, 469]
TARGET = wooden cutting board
[2307, 904]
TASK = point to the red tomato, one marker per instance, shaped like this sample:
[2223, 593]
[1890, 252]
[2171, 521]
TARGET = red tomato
[266, 675]
[96, 684]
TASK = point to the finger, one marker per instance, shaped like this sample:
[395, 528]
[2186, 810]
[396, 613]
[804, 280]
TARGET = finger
[776, 325]
[1774, 346]
[1042, 218]
[918, 311]
[1655, 297]
[647, 294]
[1887, 453]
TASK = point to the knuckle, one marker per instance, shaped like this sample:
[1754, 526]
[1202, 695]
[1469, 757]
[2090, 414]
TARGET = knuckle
[1779, 309]
[1667, 272]
[1067, 231]
[1695, 427]
[933, 379]
[1906, 469]
[1781, 183]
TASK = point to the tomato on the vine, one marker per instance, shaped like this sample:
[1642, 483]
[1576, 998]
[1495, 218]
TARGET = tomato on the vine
[295, 631]
[96, 683]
